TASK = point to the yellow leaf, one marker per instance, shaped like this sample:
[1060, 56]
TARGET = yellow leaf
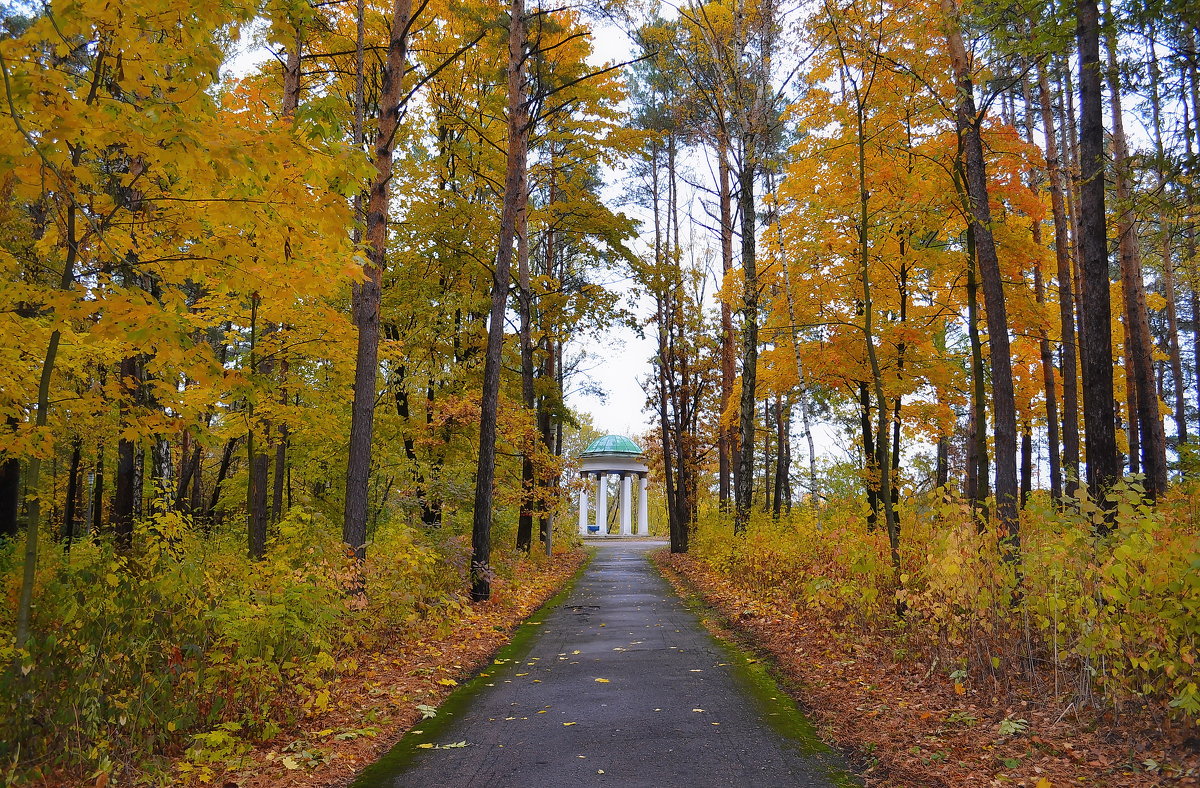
[448, 682]
[602, 681]
[425, 746]
[1043, 783]
[568, 723]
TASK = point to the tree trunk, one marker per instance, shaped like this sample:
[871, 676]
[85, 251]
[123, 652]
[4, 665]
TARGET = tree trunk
[514, 191]
[1066, 297]
[10, 490]
[367, 294]
[1026, 463]
[1179, 394]
[69, 531]
[1099, 412]
[1132, 425]
[768, 433]
[127, 488]
[1004, 406]
[782, 417]
[98, 492]
[978, 474]
[743, 484]
[1137, 330]
[525, 330]
[726, 439]
[1047, 355]
[870, 462]
[222, 472]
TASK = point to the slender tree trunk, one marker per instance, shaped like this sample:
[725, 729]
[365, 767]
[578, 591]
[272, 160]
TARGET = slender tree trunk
[69, 531]
[1137, 334]
[367, 295]
[1004, 406]
[525, 314]
[1047, 356]
[1066, 297]
[98, 492]
[127, 488]
[726, 439]
[781, 465]
[978, 473]
[222, 472]
[1166, 220]
[34, 468]
[744, 479]
[1099, 412]
[1132, 426]
[870, 461]
[1026, 463]
[10, 490]
[767, 435]
[514, 190]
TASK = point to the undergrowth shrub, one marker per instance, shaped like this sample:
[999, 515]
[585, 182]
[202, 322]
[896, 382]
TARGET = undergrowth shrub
[187, 642]
[1116, 616]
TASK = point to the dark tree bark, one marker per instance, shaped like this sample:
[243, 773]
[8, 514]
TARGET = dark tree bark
[870, 456]
[127, 489]
[69, 525]
[257, 461]
[1099, 411]
[1137, 328]
[367, 294]
[1049, 385]
[743, 483]
[1004, 406]
[782, 419]
[10, 490]
[514, 189]
[222, 472]
[726, 438]
[528, 398]
[1179, 397]
[1026, 463]
[98, 492]
[1066, 292]
[978, 474]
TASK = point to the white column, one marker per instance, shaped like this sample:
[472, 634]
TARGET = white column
[583, 506]
[626, 508]
[643, 525]
[602, 505]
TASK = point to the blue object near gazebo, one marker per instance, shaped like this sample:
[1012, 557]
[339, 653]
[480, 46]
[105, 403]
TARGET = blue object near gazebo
[613, 455]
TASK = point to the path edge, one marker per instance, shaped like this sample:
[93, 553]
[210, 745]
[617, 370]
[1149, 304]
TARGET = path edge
[722, 624]
[391, 757]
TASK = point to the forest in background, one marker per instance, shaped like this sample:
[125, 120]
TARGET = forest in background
[277, 350]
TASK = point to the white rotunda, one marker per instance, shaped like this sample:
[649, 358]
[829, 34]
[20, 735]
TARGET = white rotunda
[606, 458]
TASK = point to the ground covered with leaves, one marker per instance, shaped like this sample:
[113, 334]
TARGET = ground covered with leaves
[198, 665]
[397, 683]
[906, 719]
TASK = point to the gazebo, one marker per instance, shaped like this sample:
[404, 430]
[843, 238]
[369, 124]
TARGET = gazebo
[604, 458]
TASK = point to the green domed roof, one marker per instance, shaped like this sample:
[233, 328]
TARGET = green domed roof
[612, 444]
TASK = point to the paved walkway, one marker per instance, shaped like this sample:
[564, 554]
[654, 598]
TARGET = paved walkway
[622, 686]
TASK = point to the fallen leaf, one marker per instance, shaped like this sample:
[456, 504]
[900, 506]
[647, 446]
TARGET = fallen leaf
[602, 681]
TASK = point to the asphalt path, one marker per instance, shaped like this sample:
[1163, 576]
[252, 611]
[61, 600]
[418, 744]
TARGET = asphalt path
[621, 685]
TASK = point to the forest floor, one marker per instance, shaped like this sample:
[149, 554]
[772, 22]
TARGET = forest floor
[904, 724]
[372, 707]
